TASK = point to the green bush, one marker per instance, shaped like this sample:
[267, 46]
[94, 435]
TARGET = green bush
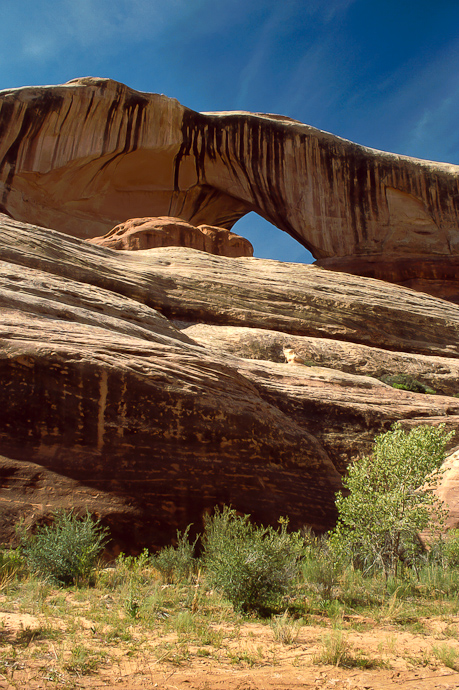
[252, 566]
[127, 570]
[436, 580]
[12, 566]
[451, 548]
[320, 567]
[66, 551]
[177, 563]
[445, 550]
[407, 383]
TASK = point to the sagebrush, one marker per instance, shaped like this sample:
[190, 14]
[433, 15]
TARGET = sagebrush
[66, 551]
[253, 566]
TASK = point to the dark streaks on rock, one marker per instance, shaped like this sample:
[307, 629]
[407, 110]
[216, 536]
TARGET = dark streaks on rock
[112, 407]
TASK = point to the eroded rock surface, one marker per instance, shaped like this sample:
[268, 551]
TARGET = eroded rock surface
[126, 386]
[87, 155]
[149, 233]
[438, 373]
[448, 489]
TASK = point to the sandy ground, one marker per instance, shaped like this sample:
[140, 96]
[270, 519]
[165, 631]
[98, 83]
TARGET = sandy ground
[253, 660]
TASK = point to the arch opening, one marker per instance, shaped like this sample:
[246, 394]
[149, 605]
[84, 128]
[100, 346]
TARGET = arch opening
[269, 242]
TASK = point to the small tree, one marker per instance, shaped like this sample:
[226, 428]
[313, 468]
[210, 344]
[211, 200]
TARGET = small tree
[390, 497]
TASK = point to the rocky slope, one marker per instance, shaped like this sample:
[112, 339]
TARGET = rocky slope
[150, 385]
[87, 155]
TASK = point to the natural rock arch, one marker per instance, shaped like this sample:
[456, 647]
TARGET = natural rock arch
[87, 155]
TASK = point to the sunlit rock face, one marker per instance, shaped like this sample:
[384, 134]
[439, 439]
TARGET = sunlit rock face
[148, 233]
[86, 156]
[151, 385]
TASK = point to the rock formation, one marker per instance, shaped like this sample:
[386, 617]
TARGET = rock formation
[85, 156]
[150, 385]
[149, 233]
[448, 489]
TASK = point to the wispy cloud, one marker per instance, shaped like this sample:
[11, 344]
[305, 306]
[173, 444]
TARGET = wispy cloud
[317, 83]
[258, 55]
[420, 105]
[96, 21]
[434, 135]
[39, 48]
[49, 31]
[328, 11]
[313, 50]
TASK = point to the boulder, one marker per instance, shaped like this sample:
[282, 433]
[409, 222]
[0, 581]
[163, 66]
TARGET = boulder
[148, 233]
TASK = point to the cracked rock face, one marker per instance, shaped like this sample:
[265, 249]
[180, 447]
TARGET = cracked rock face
[150, 385]
[86, 156]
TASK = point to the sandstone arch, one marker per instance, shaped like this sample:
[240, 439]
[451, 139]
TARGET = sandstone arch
[87, 155]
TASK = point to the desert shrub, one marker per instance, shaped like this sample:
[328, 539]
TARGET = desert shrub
[437, 580]
[444, 551]
[451, 548]
[407, 383]
[253, 566]
[176, 563]
[390, 499]
[360, 590]
[133, 564]
[447, 655]
[66, 551]
[127, 570]
[335, 649]
[11, 562]
[320, 566]
[285, 628]
[12, 566]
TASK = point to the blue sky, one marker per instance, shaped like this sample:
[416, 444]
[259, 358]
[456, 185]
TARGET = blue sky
[384, 73]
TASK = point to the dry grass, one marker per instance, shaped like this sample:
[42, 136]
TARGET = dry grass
[132, 630]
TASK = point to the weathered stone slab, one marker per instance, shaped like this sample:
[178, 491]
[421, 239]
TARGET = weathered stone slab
[103, 395]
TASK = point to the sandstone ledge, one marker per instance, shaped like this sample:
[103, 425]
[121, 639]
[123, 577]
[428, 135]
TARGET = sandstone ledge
[152, 422]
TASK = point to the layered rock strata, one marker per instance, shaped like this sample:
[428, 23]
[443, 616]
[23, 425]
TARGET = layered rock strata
[87, 155]
[124, 388]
